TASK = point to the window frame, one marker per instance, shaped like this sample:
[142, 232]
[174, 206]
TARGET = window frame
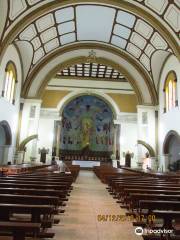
[170, 92]
[10, 81]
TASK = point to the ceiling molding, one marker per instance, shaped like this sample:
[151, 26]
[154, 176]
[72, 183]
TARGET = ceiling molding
[90, 78]
[119, 53]
[139, 11]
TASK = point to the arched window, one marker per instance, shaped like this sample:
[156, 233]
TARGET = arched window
[170, 90]
[10, 82]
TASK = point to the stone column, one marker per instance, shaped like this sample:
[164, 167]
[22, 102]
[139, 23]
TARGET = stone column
[29, 126]
[146, 128]
[117, 139]
[18, 157]
[19, 122]
[57, 138]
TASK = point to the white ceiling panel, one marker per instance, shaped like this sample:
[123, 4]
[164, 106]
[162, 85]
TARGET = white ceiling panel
[16, 7]
[65, 14]
[38, 55]
[122, 31]
[48, 34]
[131, 48]
[172, 16]
[157, 5]
[143, 28]
[45, 22]
[119, 42]
[145, 61]
[158, 42]
[100, 23]
[51, 45]
[29, 33]
[36, 43]
[125, 18]
[138, 40]
[149, 50]
[66, 27]
[94, 22]
[68, 38]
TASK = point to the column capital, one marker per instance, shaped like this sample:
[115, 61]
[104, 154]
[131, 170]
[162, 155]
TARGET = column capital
[148, 107]
[33, 100]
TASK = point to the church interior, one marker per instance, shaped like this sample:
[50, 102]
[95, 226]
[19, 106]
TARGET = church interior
[89, 119]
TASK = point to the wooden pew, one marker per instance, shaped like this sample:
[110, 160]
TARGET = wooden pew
[148, 194]
[19, 229]
[40, 192]
[30, 194]
[35, 212]
[158, 205]
[29, 199]
[34, 185]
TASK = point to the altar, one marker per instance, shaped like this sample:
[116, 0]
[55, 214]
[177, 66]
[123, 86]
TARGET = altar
[86, 164]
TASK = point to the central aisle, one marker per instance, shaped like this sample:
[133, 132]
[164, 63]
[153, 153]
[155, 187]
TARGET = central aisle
[90, 198]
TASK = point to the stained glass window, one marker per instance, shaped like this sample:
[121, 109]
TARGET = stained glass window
[10, 82]
[170, 91]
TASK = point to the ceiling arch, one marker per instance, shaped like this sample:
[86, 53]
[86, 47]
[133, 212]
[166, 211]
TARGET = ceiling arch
[97, 23]
[61, 59]
[165, 10]
[28, 10]
[3, 14]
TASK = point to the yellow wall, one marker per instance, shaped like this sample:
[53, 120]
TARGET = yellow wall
[51, 98]
[125, 102]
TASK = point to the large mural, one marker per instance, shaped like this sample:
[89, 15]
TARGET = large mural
[87, 122]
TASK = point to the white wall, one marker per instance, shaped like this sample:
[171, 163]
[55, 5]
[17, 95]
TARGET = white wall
[169, 120]
[46, 135]
[8, 111]
[29, 126]
[128, 141]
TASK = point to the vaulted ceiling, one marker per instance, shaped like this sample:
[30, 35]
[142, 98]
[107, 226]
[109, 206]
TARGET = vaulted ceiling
[142, 31]
[94, 23]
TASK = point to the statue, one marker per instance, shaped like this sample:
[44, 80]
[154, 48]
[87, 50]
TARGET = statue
[128, 159]
[86, 132]
[43, 151]
[147, 162]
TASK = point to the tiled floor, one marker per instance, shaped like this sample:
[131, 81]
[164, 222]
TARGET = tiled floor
[89, 199]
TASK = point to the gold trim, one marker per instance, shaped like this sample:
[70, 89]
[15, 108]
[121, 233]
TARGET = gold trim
[161, 71]
[19, 124]
[91, 78]
[123, 4]
[104, 47]
[25, 141]
[149, 148]
[21, 61]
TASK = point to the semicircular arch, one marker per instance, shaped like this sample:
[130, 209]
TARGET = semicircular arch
[171, 134]
[62, 58]
[161, 27]
[73, 95]
[7, 132]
